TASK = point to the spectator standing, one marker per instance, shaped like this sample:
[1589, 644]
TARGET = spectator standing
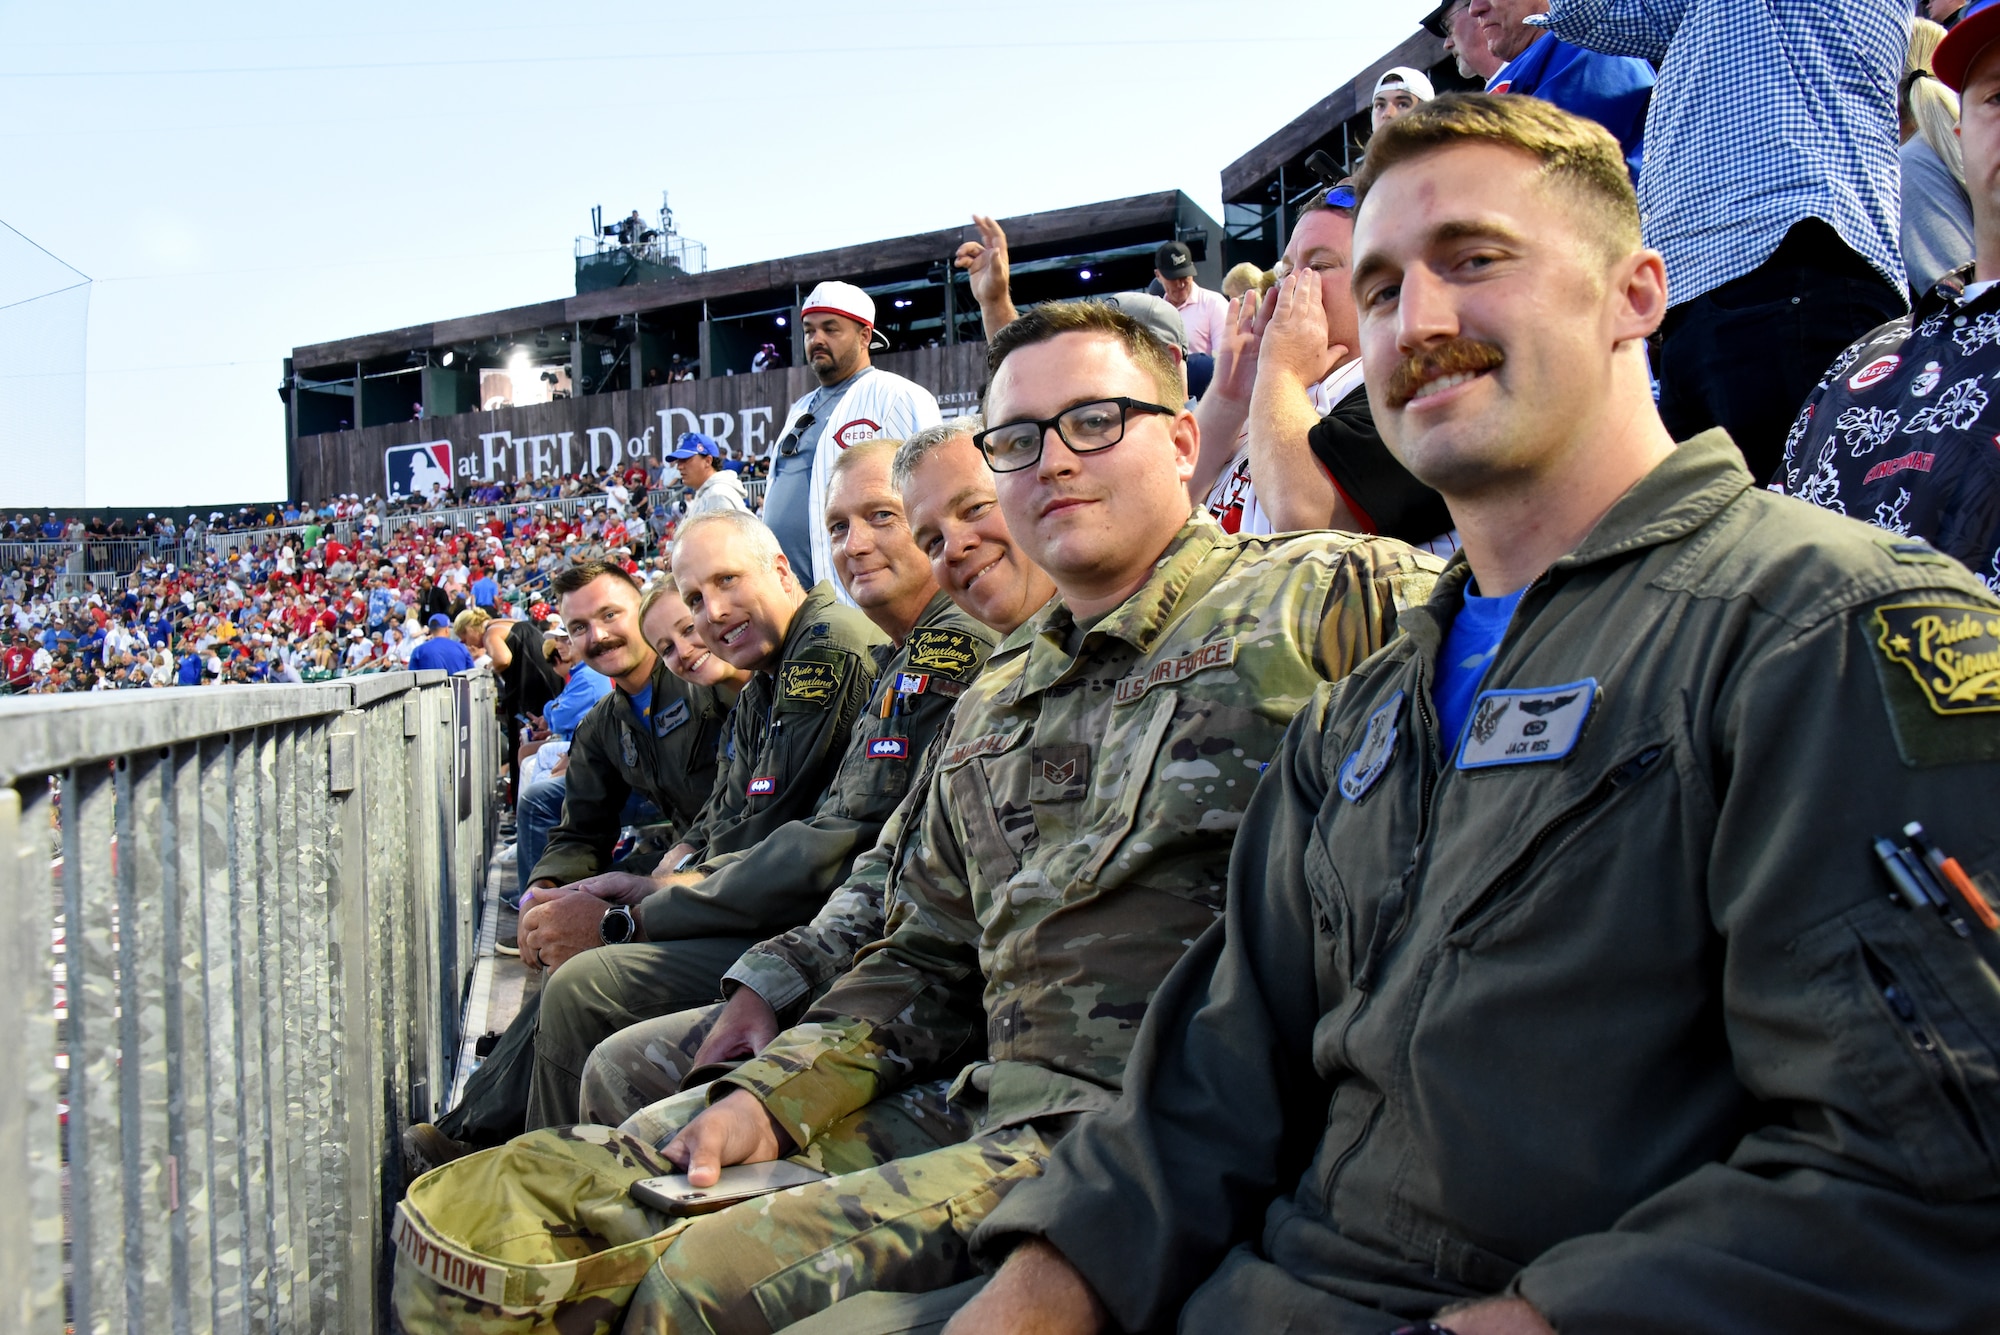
[1771, 190]
[1453, 22]
[855, 401]
[1898, 432]
[1610, 89]
[485, 592]
[710, 487]
[1937, 212]
[1204, 314]
[441, 649]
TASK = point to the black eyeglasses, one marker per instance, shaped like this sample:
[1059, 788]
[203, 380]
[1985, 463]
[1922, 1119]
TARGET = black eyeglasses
[1086, 429]
[789, 446]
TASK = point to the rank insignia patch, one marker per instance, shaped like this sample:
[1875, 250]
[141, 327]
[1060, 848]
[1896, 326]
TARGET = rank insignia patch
[1059, 773]
[1952, 649]
[762, 786]
[889, 748]
[1360, 771]
[807, 682]
[951, 652]
[1523, 727]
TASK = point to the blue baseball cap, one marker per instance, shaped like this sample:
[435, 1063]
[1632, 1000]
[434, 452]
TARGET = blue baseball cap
[692, 443]
[1978, 27]
[439, 621]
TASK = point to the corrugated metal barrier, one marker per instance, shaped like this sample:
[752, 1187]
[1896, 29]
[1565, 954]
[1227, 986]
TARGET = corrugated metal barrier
[256, 907]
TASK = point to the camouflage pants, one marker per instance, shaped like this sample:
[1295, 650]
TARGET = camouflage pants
[908, 1191]
[642, 1064]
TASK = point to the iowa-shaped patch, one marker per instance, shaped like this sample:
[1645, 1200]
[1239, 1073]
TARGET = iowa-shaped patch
[806, 681]
[1952, 649]
[933, 649]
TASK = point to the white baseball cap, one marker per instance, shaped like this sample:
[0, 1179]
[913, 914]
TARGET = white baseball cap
[842, 299]
[1402, 76]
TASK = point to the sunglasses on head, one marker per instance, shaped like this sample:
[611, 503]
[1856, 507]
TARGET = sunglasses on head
[1340, 197]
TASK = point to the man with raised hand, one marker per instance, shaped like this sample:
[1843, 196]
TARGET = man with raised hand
[1532, 1008]
[1073, 840]
[955, 519]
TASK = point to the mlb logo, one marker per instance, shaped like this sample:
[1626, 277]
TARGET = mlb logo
[417, 470]
[762, 787]
[889, 748]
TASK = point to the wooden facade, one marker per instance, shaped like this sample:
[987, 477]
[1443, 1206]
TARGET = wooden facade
[744, 413]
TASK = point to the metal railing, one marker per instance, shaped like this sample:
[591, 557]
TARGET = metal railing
[264, 904]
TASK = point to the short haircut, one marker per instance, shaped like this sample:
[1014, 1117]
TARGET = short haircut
[1577, 154]
[850, 458]
[1052, 319]
[751, 531]
[579, 573]
[914, 450]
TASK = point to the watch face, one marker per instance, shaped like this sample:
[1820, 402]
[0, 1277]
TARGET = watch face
[616, 929]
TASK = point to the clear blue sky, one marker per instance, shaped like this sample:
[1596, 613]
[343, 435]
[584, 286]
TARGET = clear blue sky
[241, 179]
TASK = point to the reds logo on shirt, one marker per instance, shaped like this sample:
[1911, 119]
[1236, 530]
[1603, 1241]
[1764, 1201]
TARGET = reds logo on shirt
[760, 787]
[889, 748]
[856, 431]
[1875, 372]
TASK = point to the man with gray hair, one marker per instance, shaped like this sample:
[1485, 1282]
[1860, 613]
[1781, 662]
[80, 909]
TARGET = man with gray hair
[813, 667]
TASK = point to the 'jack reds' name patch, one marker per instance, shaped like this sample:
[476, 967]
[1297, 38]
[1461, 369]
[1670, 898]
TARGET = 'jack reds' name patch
[807, 682]
[933, 649]
[1222, 653]
[1952, 649]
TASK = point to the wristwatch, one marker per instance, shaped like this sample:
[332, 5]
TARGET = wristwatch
[618, 926]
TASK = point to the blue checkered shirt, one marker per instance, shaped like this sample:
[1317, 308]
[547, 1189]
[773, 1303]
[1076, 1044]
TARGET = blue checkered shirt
[1765, 114]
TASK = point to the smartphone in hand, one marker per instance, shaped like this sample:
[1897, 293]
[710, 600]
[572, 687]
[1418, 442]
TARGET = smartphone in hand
[672, 1194]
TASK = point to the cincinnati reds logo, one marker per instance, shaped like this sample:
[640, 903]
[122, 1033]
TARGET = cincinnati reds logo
[856, 431]
[1875, 372]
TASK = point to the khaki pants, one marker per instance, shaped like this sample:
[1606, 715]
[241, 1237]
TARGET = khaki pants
[898, 1216]
[642, 1064]
[595, 994]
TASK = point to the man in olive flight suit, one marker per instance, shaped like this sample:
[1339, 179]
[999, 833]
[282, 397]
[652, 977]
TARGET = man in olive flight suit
[1073, 840]
[943, 486]
[1563, 984]
[742, 896]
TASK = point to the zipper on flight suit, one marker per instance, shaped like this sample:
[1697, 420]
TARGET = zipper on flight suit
[1606, 788]
[1389, 918]
[1904, 1008]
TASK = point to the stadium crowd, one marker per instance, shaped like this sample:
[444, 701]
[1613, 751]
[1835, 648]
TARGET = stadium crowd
[1479, 822]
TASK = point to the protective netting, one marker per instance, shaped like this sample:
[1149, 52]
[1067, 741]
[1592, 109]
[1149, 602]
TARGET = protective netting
[44, 327]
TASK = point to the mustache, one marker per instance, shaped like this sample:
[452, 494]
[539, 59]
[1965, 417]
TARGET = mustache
[1459, 356]
[605, 646]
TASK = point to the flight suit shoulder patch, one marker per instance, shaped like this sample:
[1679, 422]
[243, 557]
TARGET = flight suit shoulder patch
[1938, 663]
[953, 653]
[808, 682]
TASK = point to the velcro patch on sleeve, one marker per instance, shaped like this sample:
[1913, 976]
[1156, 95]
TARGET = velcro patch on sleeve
[937, 649]
[807, 681]
[1952, 650]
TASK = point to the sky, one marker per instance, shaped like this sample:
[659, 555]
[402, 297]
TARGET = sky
[238, 180]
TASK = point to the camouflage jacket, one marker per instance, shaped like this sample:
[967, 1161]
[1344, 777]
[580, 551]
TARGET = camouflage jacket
[789, 732]
[1075, 838]
[668, 757]
[778, 882]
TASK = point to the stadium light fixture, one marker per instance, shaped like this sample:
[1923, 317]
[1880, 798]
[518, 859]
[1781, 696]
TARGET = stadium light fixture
[1084, 274]
[446, 360]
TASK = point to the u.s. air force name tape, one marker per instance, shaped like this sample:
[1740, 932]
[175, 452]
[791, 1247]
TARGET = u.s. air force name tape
[1222, 653]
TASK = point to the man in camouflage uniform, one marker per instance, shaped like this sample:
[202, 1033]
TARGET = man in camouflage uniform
[814, 669]
[782, 880]
[954, 517]
[1073, 842]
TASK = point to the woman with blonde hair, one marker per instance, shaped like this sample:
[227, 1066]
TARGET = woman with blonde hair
[1937, 213]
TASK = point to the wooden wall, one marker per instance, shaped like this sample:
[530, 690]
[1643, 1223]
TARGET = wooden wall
[730, 408]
